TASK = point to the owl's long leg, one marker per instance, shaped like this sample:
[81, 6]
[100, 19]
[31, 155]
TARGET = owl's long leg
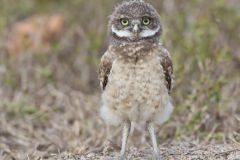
[151, 130]
[125, 134]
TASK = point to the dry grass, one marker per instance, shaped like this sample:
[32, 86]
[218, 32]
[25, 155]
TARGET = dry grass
[49, 102]
[169, 152]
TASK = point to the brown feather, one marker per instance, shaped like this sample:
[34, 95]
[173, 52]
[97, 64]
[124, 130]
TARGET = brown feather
[167, 65]
[105, 68]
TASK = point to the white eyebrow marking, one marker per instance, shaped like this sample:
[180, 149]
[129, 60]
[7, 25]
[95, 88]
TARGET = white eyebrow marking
[149, 33]
[122, 33]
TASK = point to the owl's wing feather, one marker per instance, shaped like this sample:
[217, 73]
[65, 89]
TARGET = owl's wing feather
[105, 68]
[167, 66]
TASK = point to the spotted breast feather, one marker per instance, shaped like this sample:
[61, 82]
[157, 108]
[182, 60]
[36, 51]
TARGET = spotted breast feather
[108, 58]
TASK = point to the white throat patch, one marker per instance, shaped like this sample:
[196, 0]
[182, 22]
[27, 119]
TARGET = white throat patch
[149, 33]
[122, 33]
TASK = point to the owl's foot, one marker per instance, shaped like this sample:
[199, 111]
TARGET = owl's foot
[125, 133]
[157, 156]
[122, 157]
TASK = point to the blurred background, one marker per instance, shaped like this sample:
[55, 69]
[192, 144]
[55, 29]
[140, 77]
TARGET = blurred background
[49, 91]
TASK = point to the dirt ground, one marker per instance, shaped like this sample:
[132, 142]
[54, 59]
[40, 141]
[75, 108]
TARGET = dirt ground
[182, 151]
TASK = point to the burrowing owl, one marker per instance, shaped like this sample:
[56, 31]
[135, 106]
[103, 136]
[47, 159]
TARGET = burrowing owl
[136, 71]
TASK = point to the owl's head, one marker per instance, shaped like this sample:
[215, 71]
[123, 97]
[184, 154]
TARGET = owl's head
[134, 21]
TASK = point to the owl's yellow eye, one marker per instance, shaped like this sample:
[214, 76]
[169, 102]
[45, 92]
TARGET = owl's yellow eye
[124, 22]
[146, 21]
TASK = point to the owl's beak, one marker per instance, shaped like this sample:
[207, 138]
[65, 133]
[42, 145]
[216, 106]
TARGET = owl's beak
[136, 29]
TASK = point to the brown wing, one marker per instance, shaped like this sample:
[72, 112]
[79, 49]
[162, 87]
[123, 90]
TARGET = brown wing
[105, 68]
[167, 65]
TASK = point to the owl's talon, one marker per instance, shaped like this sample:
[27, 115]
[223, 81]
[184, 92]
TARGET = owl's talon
[157, 157]
[125, 133]
[122, 157]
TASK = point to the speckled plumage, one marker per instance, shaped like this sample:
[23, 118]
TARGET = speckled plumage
[136, 87]
[136, 73]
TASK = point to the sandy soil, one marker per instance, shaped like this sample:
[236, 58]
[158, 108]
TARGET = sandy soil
[180, 151]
